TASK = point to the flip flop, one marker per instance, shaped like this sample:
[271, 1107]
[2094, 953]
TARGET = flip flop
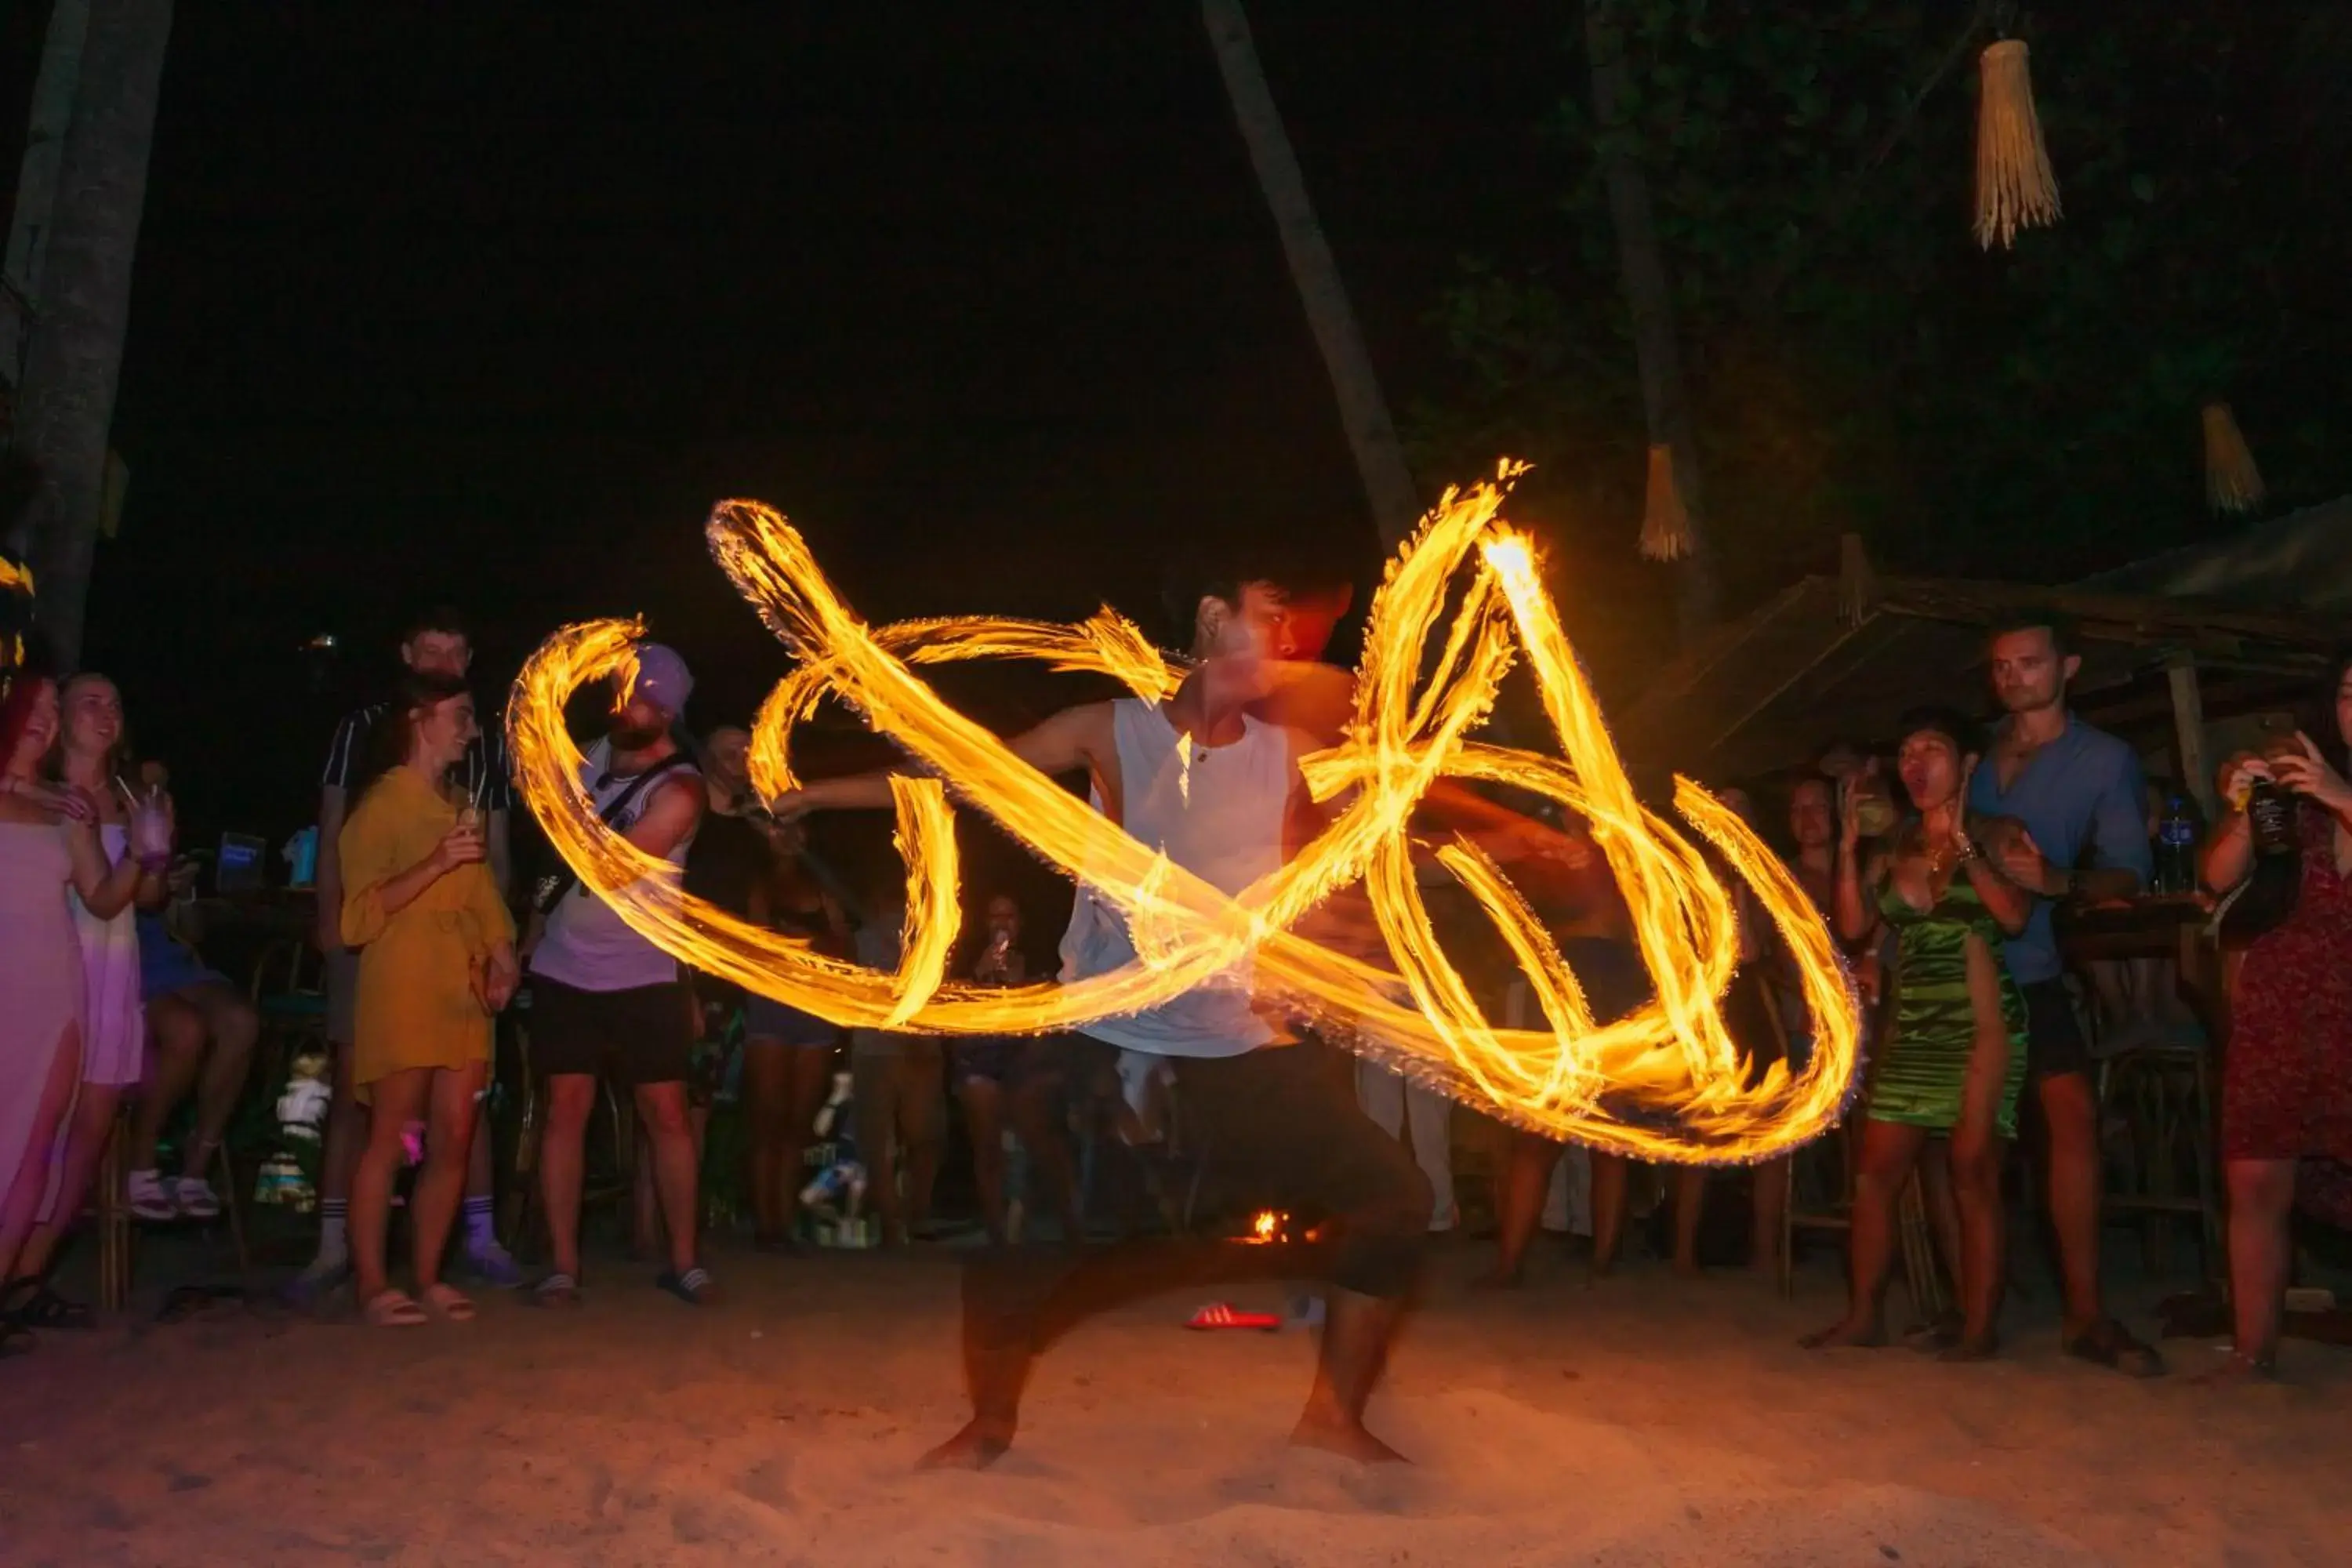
[449, 1304]
[1222, 1315]
[695, 1287]
[556, 1291]
[394, 1309]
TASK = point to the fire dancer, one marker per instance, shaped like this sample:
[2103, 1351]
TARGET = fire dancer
[1218, 790]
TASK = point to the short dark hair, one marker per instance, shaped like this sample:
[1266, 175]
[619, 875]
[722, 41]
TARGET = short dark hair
[1221, 571]
[2065, 637]
[1965, 734]
[443, 618]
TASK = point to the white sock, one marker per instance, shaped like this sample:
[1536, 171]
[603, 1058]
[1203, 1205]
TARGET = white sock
[334, 1242]
[481, 1231]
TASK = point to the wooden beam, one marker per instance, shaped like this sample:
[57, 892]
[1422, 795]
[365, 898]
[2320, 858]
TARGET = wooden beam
[2189, 732]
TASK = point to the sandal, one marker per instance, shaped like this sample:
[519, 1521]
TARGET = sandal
[556, 1291]
[449, 1304]
[43, 1308]
[695, 1287]
[2108, 1343]
[1222, 1315]
[394, 1309]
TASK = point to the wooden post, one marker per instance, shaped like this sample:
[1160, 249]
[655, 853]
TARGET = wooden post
[2188, 733]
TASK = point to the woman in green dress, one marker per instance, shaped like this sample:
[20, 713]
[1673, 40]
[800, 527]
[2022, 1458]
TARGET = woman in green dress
[1955, 1057]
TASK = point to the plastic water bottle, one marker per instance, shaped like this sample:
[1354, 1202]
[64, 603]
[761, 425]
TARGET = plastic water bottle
[2175, 847]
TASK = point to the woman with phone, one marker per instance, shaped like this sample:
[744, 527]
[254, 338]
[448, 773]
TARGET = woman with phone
[2287, 1078]
[436, 963]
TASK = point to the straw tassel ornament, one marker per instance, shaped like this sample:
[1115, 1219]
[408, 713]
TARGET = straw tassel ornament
[1666, 521]
[2233, 483]
[2015, 188]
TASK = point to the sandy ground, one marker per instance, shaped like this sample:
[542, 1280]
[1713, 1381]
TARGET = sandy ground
[1644, 1421]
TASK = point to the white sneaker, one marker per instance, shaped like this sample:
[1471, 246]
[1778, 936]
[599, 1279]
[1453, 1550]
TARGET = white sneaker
[195, 1197]
[148, 1198]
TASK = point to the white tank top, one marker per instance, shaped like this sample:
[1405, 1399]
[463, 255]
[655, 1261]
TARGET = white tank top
[1223, 823]
[587, 945]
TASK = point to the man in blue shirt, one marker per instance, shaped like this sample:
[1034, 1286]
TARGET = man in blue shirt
[2079, 793]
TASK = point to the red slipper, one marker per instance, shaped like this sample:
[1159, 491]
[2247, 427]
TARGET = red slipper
[1221, 1315]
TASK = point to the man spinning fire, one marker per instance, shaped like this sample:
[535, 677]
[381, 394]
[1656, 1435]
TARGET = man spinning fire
[1211, 778]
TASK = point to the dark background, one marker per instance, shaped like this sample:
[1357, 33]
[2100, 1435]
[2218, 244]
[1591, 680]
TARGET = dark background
[488, 304]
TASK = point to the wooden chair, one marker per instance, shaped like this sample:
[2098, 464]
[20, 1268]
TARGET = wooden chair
[118, 1235]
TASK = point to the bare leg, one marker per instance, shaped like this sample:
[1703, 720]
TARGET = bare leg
[767, 1093]
[29, 1183]
[1037, 1117]
[2070, 1111]
[662, 1108]
[983, 1115]
[1526, 1175]
[1690, 1203]
[2261, 1201]
[1767, 1210]
[86, 1131]
[1611, 1174]
[1356, 1334]
[877, 1105]
[810, 1076]
[346, 1135]
[921, 1103]
[233, 1026]
[177, 1033]
[1889, 1150]
[1977, 1154]
[563, 1151]
[394, 1102]
[450, 1137]
[1942, 1202]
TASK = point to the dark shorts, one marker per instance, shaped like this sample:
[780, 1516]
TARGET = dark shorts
[1012, 1062]
[767, 1020]
[2054, 1046]
[1281, 1129]
[644, 1034]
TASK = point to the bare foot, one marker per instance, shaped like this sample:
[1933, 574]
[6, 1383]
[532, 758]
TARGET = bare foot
[1499, 1278]
[975, 1447]
[1846, 1334]
[1337, 1435]
[1971, 1347]
[1687, 1268]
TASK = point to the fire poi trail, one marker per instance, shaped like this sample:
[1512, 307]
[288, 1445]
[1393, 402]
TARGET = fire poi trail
[1665, 1082]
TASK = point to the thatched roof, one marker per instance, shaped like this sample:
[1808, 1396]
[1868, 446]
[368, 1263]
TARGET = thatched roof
[1840, 657]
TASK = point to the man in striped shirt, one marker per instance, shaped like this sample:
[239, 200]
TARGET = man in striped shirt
[434, 643]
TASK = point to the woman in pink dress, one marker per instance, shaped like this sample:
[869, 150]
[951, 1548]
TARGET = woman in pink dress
[48, 843]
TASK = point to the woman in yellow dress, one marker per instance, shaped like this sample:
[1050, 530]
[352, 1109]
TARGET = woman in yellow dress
[436, 962]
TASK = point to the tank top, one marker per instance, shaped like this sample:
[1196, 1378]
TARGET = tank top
[587, 945]
[1218, 813]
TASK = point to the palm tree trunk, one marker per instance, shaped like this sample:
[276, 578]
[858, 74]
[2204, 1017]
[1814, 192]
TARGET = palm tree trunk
[1363, 412]
[36, 178]
[66, 405]
[1657, 351]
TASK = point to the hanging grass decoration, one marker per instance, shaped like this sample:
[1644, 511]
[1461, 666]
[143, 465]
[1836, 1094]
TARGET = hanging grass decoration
[2015, 188]
[1666, 521]
[2233, 483]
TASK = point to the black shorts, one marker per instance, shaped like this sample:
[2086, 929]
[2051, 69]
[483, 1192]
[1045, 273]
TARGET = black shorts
[1280, 1129]
[644, 1034]
[2054, 1046]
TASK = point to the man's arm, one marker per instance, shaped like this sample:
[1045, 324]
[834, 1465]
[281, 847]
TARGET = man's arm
[1075, 739]
[673, 812]
[2122, 862]
[334, 802]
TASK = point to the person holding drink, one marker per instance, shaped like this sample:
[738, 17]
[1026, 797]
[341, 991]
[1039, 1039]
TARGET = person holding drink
[436, 962]
[1954, 1062]
[2287, 1078]
[133, 828]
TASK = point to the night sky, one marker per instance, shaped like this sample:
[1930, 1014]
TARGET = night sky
[490, 303]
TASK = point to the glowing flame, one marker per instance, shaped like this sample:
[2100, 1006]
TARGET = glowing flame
[1265, 1228]
[1664, 1082]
